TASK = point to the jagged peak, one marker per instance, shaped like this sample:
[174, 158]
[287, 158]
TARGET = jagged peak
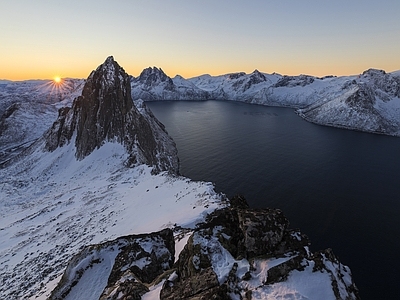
[153, 74]
[177, 76]
[153, 70]
[110, 71]
[105, 113]
[99, 114]
[109, 59]
[257, 74]
[236, 75]
[373, 72]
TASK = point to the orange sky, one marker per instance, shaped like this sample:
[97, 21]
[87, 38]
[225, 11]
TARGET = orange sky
[41, 39]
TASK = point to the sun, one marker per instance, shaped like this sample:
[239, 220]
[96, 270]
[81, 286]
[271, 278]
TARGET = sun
[57, 79]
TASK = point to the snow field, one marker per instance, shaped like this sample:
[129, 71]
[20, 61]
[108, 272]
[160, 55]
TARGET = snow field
[74, 203]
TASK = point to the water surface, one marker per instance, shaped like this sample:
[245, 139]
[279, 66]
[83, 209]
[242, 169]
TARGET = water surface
[340, 187]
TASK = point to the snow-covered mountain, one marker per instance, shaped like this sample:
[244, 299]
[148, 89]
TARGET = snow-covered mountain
[321, 100]
[367, 102]
[95, 209]
[154, 84]
[28, 108]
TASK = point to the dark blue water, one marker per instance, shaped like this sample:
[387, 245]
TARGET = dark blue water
[339, 187]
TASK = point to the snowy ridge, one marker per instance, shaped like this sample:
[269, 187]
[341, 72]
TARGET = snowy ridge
[370, 102]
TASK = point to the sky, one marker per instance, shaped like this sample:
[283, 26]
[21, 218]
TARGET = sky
[41, 39]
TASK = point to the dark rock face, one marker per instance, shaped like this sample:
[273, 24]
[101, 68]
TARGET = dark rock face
[292, 81]
[7, 113]
[363, 98]
[105, 112]
[383, 82]
[139, 259]
[224, 258]
[236, 75]
[255, 78]
[154, 76]
[255, 235]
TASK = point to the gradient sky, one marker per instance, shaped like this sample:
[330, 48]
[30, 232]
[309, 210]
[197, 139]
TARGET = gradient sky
[41, 39]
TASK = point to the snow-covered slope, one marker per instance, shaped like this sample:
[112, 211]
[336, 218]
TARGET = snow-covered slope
[369, 102]
[78, 205]
[154, 84]
[28, 108]
[65, 192]
[52, 205]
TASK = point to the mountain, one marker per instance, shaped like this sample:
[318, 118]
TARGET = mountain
[154, 84]
[95, 209]
[370, 102]
[27, 110]
[105, 113]
[73, 188]
[321, 100]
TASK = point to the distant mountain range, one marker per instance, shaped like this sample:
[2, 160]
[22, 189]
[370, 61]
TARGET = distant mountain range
[92, 205]
[367, 102]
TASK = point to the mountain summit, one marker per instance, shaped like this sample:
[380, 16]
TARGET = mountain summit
[105, 112]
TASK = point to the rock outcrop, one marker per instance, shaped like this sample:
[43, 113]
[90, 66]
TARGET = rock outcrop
[105, 112]
[238, 253]
[122, 267]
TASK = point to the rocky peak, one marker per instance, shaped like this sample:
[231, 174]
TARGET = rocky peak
[255, 78]
[292, 81]
[236, 75]
[152, 76]
[105, 113]
[374, 72]
[380, 81]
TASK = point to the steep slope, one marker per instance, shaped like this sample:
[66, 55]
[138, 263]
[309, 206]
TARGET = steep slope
[154, 84]
[105, 113]
[370, 102]
[238, 253]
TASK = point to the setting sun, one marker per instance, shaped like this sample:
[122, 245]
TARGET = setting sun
[57, 79]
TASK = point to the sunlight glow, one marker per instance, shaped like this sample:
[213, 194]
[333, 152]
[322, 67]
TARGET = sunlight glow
[56, 88]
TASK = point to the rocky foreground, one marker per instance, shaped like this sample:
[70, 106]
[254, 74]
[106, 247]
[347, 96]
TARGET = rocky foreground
[237, 253]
